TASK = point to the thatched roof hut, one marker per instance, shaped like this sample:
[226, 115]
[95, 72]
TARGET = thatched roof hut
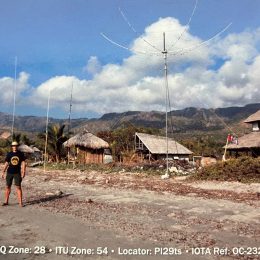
[253, 118]
[25, 148]
[32, 152]
[87, 140]
[156, 146]
[249, 143]
[89, 148]
[35, 149]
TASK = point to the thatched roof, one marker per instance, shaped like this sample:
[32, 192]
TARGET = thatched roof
[253, 118]
[35, 149]
[5, 135]
[157, 144]
[87, 140]
[247, 141]
[25, 148]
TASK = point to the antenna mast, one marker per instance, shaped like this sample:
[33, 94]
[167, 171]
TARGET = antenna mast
[69, 123]
[70, 110]
[46, 131]
[14, 95]
[164, 52]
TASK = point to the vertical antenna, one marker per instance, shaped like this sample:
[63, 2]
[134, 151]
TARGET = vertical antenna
[14, 94]
[164, 52]
[69, 123]
[70, 109]
[46, 131]
[164, 44]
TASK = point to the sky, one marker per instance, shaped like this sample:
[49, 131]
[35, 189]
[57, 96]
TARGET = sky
[60, 50]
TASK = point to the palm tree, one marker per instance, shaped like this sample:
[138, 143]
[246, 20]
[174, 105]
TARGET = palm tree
[56, 138]
[16, 137]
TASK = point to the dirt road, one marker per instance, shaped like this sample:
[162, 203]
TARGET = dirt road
[74, 214]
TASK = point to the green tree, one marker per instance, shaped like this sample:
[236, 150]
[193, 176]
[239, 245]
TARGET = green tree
[56, 138]
[121, 140]
[21, 138]
[26, 140]
[16, 137]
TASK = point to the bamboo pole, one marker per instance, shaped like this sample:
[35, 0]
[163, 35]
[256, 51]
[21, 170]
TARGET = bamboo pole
[224, 155]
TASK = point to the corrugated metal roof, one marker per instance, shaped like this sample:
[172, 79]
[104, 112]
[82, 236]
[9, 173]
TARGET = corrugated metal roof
[254, 117]
[157, 144]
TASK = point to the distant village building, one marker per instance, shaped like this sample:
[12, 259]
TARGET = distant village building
[153, 147]
[5, 135]
[25, 149]
[32, 153]
[89, 148]
[249, 143]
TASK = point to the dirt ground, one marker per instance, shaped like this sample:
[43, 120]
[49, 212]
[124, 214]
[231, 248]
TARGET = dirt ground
[75, 215]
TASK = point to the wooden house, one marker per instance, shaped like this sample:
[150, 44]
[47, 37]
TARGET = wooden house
[88, 148]
[249, 143]
[154, 147]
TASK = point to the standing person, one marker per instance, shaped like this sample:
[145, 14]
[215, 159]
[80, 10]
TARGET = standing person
[15, 166]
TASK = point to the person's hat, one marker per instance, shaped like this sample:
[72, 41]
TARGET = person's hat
[14, 143]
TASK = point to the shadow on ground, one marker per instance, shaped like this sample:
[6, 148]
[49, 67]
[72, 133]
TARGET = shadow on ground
[46, 199]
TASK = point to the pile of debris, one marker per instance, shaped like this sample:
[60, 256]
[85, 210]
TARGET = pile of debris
[175, 167]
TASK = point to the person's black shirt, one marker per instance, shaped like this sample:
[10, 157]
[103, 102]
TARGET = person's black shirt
[14, 160]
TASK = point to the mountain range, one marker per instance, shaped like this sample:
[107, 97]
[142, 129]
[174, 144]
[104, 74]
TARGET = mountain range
[180, 121]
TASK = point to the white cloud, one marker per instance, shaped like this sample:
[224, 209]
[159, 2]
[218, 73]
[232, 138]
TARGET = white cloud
[243, 46]
[223, 73]
[7, 87]
[93, 66]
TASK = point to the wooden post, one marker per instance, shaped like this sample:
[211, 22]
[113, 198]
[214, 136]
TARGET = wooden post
[224, 156]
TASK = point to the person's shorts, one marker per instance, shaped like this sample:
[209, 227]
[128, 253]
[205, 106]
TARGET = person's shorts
[13, 176]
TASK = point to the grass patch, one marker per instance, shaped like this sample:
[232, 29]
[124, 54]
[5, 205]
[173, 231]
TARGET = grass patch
[244, 169]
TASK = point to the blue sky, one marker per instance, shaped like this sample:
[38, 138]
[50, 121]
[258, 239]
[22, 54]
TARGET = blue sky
[58, 43]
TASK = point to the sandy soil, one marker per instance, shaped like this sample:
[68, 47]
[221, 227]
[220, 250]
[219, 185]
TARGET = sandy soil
[93, 210]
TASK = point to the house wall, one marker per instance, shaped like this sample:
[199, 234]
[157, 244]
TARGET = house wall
[154, 157]
[256, 126]
[172, 157]
[86, 156]
[253, 152]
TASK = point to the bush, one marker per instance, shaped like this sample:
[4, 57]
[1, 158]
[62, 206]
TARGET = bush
[244, 169]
